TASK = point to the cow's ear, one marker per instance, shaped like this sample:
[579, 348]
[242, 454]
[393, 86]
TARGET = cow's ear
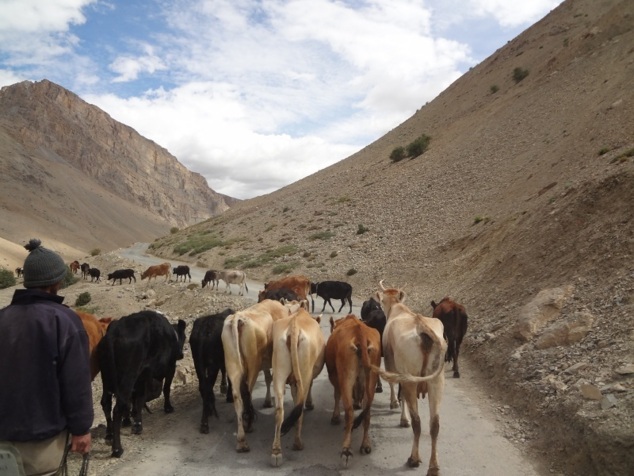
[401, 296]
[378, 297]
[433, 305]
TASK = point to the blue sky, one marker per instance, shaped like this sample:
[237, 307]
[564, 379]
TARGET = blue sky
[255, 95]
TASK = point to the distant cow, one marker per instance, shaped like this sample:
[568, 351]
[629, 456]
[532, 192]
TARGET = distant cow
[95, 275]
[85, 267]
[74, 266]
[182, 271]
[96, 329]
[454, 320]
[122, 274]
[137, 351]
[298, 357]
[157, 270]
[209, 359]
[328, 290]
[234, 276]
[211, 279]
[278, 294]
[299, 284]
[18, 272]
[350, 351]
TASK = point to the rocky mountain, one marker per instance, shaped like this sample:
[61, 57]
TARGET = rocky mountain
[75, 176]
[522, 209]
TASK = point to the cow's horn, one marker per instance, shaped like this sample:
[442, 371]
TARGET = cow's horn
[381, 284]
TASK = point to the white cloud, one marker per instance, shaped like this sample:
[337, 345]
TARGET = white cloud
[128, 68]
[41, 16]
[511, 14]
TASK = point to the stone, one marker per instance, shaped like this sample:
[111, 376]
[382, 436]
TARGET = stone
[608, 402]
[567, 332]
[590, 392]
[541, 310]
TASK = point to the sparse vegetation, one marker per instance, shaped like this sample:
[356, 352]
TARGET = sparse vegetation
[418, 147]
[95, 252]
[7, 278]
[397, 154]
[322, 235]
[494, 88]
[519, 74]
[174, 230]
[603, 151]
[83, 299]
[351, 272]
[480, 219]
[69, 279]
[334, 254]
[199, 242]
[362, 229]
[284, 268]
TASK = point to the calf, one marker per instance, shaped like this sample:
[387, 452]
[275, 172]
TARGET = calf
[137, 351]
[234, 276]
[414, 352]
[246, 339]
[278, 294]
[211, 279]
[300, 285]
[209, 358]
[328, 290]
[454, 320]
[157, 270]
[85, 267]
[74, 266]
[94, 274]
[351, 350]
[182, 271]
[122, 274]
[298, 357]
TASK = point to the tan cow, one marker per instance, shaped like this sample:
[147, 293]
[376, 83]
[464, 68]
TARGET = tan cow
[246, 338]
[298, 357]
[157, 270]
[414, 354]
[351, 350]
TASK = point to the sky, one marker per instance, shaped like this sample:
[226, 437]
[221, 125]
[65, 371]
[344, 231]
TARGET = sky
[256, 94]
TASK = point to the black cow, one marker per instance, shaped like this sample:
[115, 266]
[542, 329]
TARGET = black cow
[211, 278]
[278, 294]
[373, 316]
[332, 290]
[19, 271]
[209, 358]
[137, 351]
[85, 267]
[182, 270]
[95, 275]
[455, 321]
[122, 274]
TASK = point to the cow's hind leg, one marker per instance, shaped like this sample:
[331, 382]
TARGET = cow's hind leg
[435, 397]
[410, 399]
[106, 405]
[267, 380]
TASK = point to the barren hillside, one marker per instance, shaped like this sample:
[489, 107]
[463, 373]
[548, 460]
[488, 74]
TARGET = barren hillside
[521, 209]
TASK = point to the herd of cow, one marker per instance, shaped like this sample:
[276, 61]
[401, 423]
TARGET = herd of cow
[137, 356]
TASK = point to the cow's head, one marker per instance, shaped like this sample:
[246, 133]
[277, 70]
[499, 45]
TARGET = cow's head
[388, 297]
[179, 328]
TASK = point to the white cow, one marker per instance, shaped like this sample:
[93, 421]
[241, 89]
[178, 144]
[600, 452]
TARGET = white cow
[414, 353]
[234, 276]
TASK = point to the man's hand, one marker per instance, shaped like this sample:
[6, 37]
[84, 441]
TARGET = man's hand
[81, 444]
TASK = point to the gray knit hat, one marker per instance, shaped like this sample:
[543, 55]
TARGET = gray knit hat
[42, 267]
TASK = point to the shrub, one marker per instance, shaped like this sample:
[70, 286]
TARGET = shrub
[95, 252]
[494, 88]
[519, 74]
[397, 154]
[83, 299]
[351, 272]
[419, 146]
[174, 230]
[322, 235]
[284, 268]
[334, 254]
[69, 279]
[362, 229]
[7, 279]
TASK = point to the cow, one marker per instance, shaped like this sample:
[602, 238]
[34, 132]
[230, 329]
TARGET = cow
[85, 267]
[211, 279]
[373, 316]
[74, 266]
[96, 329]
[182, 271]
[454, 320]
[122, 274]
[95, 275]
[298, 357]
[300, 285]
[138, 351]
[246, 339]
[157, 270]
[234, 276]
[332, 290]
[19, 272]
[350, 351]
[278, 294]
[414, 352]
[205, 342]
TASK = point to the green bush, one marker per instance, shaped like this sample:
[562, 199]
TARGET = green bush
[334, 254]
[322, 235]
[69, 279]
[362, 229]
[397, 154]
[519, 74]
[83, 299]
[174, 230]
[494, 88]
[419, 146]
[7, 279]
[284, 268]
[351, 272]
[95, 252]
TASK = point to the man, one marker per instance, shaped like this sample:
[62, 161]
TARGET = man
[44, 368]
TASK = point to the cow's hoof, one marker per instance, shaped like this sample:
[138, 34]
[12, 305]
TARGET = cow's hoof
[404, 424]
[204, 429]
[346, 457]
[433, 471]
[456, 374]
[309, 406]
[394, 405]
[126, 422]
[117, 453]
[365, 449]
[336, 420]
[356, 406]
[378, 390]
[267, 405]
[276, 460]
[298, 446]
[168, 409]
[412, 463]
[242, 448]
[137, 429]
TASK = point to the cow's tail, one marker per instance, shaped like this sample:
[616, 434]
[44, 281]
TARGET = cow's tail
[108, 365]
[362, 353]
[297, 411]
[235, 333]
[245, 285]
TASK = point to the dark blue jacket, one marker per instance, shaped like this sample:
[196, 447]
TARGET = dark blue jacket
[45, 384]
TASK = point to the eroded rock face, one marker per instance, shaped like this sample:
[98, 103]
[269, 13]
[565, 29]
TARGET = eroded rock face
[572, 330]
[540, 311]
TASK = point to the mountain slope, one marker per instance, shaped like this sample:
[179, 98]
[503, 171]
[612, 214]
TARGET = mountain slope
[527, 186]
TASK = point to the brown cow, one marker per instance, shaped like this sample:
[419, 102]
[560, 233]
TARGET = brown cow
[298, 357]
[414, 353]
[454, 320]
[157, 270]
[350, 351]
[74, 266]
[300, 285]
[96, 329]
[246, 338]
